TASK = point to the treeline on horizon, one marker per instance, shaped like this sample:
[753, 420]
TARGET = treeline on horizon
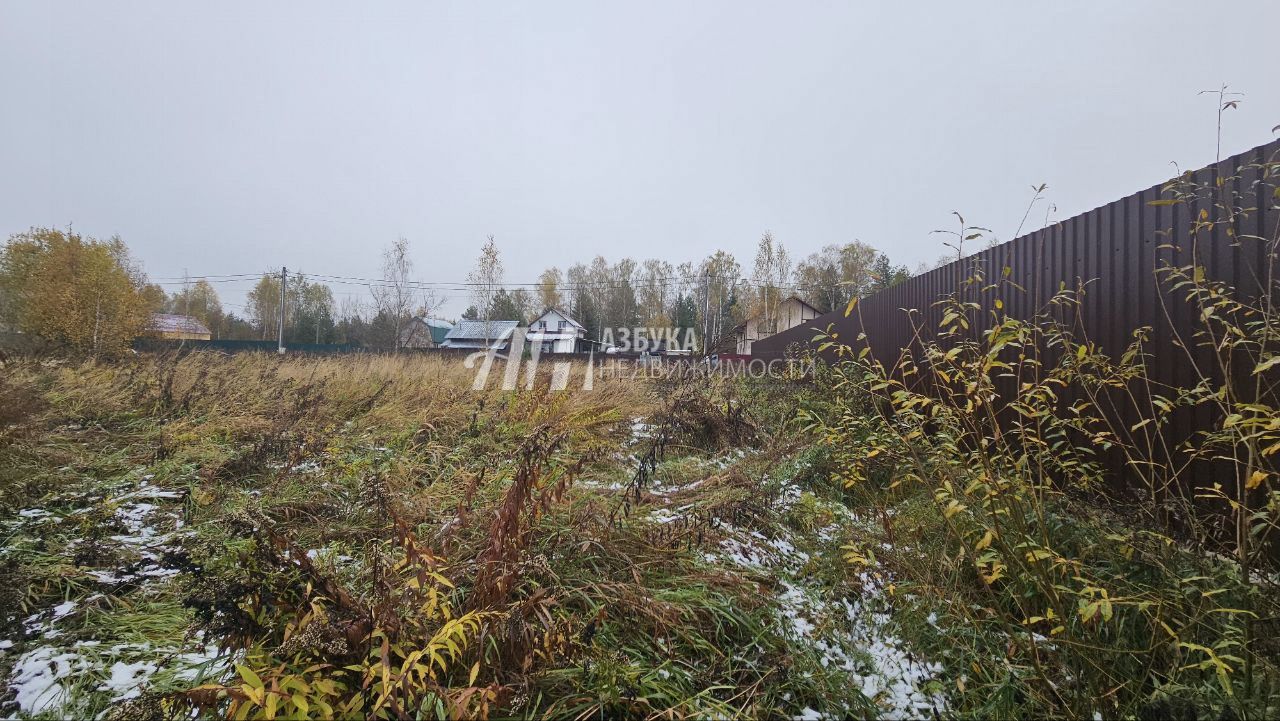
[93, 296]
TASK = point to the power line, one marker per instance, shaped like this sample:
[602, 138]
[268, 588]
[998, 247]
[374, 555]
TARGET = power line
[637, 283]
[200, 277]
[195, 278]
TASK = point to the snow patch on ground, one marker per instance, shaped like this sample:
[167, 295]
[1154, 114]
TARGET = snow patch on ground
[640, 430]
[853, 636]
[850, 636]
[42, 679]
[37, 676]
[48, 677]
[127, 679]
[664, 515]
[309, 467]
[611, 486]
[863, 645]
[660, 489]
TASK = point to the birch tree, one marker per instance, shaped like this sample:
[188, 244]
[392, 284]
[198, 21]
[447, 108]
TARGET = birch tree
[70, 289]
[397, 298]
[830, 277]
[263, 305]
[200, 301]
[772, 279]
[720, 305]
[655, 292]
[485, 280]
[549, 285]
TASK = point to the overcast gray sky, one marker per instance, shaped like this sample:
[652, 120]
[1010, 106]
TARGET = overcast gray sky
[232, 137]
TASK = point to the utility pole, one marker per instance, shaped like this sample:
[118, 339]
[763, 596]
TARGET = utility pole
[706, 310]
[284, 278]
[719, 315]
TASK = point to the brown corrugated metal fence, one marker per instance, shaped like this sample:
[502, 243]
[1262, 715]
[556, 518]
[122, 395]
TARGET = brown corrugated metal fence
[1115, 251]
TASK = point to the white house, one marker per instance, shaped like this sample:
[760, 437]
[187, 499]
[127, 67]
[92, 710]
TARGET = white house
[789, 314]
[556, 332]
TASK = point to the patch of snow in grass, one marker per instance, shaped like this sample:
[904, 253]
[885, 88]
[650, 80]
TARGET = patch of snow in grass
[660, 489]
[664, 516]
[723, 462]
[755, 551]
[44, 679]
[855, 637]
[37, 675]
[146, 490]
[640, 430]
[306, 467]
[127, 679]
[332, 556]
[895, 679]
[746, 554]
[196, 665]
[612, 486]
[787, 550]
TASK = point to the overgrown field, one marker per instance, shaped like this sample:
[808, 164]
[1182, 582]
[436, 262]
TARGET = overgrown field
[251, 536]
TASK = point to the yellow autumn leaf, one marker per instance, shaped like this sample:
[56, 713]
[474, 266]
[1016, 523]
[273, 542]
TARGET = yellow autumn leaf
[1038, 554]
[250, 678]
[1255, 480]
[985, 541]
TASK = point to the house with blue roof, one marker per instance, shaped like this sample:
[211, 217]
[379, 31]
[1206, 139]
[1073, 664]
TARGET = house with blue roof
[481, 334]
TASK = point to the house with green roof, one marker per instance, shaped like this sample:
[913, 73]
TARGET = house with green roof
[424, 333]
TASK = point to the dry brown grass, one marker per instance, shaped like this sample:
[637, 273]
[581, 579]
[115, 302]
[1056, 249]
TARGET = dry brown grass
[352, 455]
[246, 395]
